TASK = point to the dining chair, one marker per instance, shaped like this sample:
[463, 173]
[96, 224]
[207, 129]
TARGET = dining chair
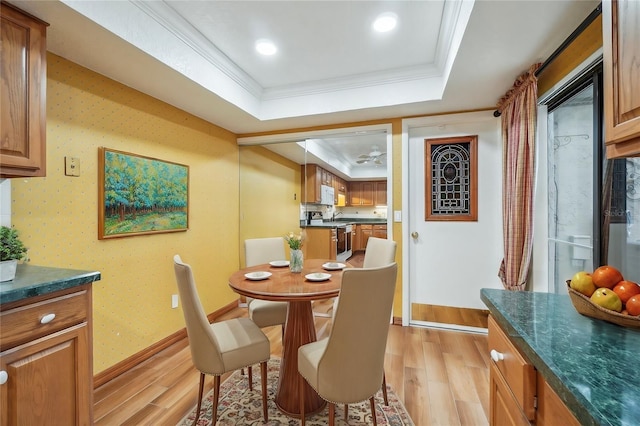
[348, 366]
[265, 313]
[378, 252]
[220, 347]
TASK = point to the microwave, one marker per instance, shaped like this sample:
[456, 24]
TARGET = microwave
[326, 195]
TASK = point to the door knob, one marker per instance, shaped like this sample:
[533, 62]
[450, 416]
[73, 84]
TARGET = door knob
[414, 235]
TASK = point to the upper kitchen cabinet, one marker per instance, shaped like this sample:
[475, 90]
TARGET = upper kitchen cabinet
[380, 193]
[311, 181]
[23, 80]
[621, 51]
[361, 193]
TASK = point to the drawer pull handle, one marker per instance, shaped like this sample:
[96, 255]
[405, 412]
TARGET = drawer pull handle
[3, 377]
[496, 356]
[47, 318]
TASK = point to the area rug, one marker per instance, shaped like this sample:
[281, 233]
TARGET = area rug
[240, 406]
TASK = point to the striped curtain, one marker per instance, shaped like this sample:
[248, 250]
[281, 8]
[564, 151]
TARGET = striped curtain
[518, 109]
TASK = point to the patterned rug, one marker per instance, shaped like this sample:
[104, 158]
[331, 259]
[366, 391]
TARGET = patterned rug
[240, 406]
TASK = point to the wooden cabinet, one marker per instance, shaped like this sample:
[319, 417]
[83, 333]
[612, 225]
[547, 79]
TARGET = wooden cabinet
[621, 54]
[361, 193]
[320, 243]
[45, 350]
[380, 194]
[311, 181]
[23, 96]
[365, 232]
[313, 176]
[518, 394]
[379, 231]
[339, 190]
[367, 193]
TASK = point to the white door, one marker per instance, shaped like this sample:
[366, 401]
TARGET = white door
[450, 261]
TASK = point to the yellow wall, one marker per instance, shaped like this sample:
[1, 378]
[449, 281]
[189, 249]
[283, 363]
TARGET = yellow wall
[57, 215]
[269, 195]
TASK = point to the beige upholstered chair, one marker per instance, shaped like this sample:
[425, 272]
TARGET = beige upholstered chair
[379, 252]
[348, 366]
[222, 346]
[265, 313]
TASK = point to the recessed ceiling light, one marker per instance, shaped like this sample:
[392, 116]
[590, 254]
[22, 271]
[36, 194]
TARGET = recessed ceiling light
[266, 47]
[385, 22]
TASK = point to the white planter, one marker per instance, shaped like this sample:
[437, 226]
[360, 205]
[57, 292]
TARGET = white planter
[8, 270]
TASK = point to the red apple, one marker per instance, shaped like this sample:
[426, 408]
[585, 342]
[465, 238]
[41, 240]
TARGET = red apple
[606, 276]
[626, 289]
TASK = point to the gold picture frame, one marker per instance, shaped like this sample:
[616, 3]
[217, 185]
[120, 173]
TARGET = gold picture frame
[139, 195]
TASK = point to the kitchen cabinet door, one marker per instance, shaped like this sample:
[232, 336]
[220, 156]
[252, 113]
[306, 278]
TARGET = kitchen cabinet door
[381, 193]
[380, 231]
[49, 380]
[321, 243]
[621, 54]
[366, 232]
[361, 193]
[24, 86]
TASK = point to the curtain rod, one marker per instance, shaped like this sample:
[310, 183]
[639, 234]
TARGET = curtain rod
[583, 25]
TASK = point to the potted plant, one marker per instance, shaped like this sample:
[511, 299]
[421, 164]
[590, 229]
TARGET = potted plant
[11, 250]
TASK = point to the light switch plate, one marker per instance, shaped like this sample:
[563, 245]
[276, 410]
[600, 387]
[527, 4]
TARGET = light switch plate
[397, 216]
[71, 166]
[174, 301]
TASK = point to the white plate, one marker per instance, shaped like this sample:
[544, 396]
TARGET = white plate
[258, 275]
[318, 276]
[279, 263]
[333, 266]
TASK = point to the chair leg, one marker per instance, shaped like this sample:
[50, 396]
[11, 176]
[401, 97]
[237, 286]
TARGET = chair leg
[216, 397]
[346, 413]
[250, 375]
[384, 390]
[301, 394]
[200, 390]
[332, 414]
[263, 375]
[373, 411]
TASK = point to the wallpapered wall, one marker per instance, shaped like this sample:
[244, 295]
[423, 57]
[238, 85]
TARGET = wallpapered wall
[57, 215]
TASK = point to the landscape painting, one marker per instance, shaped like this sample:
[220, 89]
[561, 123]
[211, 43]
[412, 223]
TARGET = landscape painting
[140, 195]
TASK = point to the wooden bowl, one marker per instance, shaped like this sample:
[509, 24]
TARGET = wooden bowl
[586, 307]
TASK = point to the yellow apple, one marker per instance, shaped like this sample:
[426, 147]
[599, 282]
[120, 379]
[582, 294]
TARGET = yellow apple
[582, 282]
[607, 298]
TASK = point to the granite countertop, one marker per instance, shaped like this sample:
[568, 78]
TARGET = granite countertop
[346, 221]
[591, 364]
[33, 281]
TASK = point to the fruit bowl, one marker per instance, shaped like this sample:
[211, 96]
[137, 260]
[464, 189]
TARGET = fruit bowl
[587, 308]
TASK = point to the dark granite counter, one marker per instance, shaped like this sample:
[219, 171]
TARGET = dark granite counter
[33, 281]
[591, 364]
[344, 222]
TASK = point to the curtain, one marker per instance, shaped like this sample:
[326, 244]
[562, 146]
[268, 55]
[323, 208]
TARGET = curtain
[518, 109]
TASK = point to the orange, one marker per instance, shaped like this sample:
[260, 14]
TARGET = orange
[633, 305]
[626, 289]
[606, 276]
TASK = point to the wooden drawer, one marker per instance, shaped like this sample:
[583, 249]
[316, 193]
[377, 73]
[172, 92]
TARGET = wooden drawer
[25, 323]
[504, 410]
[367, 227]
[380, 227]
[517, 372]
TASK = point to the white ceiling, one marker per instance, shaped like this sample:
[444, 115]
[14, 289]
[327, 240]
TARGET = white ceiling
[444, 55]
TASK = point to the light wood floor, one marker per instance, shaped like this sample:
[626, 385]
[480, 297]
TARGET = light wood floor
[441, 376]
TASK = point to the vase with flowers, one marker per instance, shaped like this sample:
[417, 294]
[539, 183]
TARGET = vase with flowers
[295, 245]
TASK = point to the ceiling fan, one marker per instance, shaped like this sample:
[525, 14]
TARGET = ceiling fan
[374, 156]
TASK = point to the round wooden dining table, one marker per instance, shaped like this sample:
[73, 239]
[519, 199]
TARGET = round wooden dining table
[299, 329]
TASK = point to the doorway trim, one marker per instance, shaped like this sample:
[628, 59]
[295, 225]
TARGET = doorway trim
[407, 125]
